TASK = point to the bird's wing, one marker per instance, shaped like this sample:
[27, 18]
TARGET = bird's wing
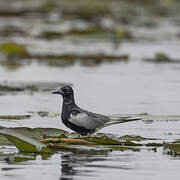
[117, 119]
[87, 119]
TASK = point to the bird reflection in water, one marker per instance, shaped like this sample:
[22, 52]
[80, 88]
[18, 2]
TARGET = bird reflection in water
[68, 163]
[74, 164]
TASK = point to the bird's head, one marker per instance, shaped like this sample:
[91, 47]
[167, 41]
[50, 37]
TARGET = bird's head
[65, 92]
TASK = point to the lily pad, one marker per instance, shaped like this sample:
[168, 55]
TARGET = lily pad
[50, 140]
[23, 142]
[4, 140]
[37, 133]
[81, 149]
[104, 140]
[40, 133]
[15, 117]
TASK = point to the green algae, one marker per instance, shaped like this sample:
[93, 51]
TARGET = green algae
[15, 117]
[43, 113]
[122, 34]
[75, 57]
[136, 138]
[81, 149]
[122, 148]
[40, 133]
[154, 144]
[98, 32]
[105, 140]
[14, 49]
[162, 58]
[172, 148]
[17, 55]
[60, 140]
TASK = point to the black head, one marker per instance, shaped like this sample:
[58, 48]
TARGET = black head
[65, 92]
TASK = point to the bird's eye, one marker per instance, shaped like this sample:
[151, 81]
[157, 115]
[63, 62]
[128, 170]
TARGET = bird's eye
[66, 89]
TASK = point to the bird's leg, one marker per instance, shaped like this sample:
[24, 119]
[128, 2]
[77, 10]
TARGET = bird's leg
[84, 136]
[81, 136]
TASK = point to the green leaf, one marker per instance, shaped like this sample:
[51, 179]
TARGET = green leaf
[23, 142]
[105, 140]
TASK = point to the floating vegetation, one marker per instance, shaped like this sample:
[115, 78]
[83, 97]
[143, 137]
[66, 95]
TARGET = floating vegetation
[123, 148]
[12, 31]
[84, 59]
[43, 113]
[4, 140]
[24, 143]
[116, 33]
[119, 33]
[69, 56]
[12, 49]
[17, 55]
[154, 144]
[57, 139]
[76, 32]
[105, 140]
[87, 10]
[17, 87]
[47, 114]
[23, 157]
[15, 117]
[67, 141]
[40, 133]
[162, 58]
[136, 138]
[172, 148]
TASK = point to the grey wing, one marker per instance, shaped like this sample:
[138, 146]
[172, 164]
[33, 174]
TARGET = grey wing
[88, 120]
[117, 119]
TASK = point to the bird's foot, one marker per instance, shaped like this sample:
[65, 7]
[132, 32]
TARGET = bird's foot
[84, 136]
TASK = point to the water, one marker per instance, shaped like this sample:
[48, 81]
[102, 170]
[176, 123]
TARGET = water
[129, 87]
[129, 165]
[134, 87]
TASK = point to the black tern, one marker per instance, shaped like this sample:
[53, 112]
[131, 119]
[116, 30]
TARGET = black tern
[82, 121]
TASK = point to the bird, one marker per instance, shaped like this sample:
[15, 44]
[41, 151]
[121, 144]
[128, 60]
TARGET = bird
[82, 121]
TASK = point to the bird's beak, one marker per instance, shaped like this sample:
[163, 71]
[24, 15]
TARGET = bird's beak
[57, 92]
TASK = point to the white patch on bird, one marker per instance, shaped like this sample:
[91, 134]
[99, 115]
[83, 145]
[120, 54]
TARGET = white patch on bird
[88, 122]
[81, 119]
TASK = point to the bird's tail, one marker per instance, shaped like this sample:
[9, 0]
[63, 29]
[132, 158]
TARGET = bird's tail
[116, 119]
